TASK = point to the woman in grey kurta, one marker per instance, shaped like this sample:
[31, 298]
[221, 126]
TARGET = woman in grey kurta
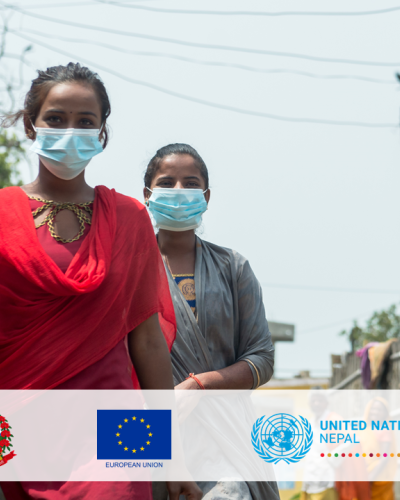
[223, 338]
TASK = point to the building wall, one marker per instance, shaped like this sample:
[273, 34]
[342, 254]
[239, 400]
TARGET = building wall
[351, 366]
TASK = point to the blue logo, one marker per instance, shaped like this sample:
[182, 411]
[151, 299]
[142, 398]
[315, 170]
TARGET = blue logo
[281, 437]
[134, 434]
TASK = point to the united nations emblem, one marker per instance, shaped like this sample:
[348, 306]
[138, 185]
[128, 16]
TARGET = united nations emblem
[281, 437]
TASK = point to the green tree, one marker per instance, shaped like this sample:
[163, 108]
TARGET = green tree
[12, 150]
[381, 326]
[11, 153]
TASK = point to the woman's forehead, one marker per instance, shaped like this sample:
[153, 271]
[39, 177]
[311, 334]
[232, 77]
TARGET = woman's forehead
[178, 165]
[73, 96]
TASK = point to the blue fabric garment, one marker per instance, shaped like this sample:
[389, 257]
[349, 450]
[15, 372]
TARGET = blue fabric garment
[186, 285]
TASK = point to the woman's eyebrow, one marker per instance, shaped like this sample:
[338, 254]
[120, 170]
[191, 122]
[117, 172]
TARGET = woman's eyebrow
[64, 112]
[87, 113]
[55, 111]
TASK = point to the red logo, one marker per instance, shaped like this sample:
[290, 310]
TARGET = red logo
[5, 441]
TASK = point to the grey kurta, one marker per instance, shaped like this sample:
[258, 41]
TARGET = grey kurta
[231, 326]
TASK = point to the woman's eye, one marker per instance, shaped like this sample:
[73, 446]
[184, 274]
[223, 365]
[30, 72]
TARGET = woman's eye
[86, 122]
[53, 119]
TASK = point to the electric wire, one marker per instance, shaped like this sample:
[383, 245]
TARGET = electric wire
[212, 12]
[250, 13]
[71, 4]
[321, 328]
[211, 63]
[336, 324]
[329, 289]
[203, 101]
[198, 44]
[9, 55]
[313, 370]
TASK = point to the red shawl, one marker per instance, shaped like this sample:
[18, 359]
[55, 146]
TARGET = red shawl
[54, 325]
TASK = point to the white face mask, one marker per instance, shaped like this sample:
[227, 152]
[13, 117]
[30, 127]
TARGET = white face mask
[177, 209]
[66, 152]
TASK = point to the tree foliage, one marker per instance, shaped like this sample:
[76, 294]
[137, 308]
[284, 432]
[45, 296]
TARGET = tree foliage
[381, 326]
[12, 150]
[11, 153]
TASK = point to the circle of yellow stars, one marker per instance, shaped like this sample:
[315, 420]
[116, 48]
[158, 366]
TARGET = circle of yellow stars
[126, 421]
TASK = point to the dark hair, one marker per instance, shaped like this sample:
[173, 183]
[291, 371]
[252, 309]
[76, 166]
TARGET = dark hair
[72, 72]
[174, 149]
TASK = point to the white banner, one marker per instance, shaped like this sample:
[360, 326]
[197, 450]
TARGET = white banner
[264, 435]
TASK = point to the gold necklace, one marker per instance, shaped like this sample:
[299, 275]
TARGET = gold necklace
[78, 209]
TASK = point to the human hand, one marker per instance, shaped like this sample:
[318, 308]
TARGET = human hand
[186, 401]
[188, 385]
[187, 488]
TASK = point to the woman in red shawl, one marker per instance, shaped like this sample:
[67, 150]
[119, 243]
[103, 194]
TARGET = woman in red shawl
[83, 292]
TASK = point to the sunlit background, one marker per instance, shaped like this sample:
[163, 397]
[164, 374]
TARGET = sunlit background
[296, 117]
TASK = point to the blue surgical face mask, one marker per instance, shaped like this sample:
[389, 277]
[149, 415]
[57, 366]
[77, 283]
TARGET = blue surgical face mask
[66, 152]
[177, 209]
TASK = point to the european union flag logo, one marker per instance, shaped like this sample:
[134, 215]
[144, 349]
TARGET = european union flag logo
[134, 434]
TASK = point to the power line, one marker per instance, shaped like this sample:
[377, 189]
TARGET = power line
[212, 63]
[13, 87]
[328, 289]
[301, 369]
[314, 370]
[250, 13]
[205, 102]
[197, 44]
[71, 4]
[332, 325]
[211, 12]
[338, 323]
[9, 55]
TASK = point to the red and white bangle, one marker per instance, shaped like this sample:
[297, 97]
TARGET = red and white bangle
[193, 376]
